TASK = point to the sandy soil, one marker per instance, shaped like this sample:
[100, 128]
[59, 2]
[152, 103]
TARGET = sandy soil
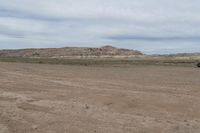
[75, 99]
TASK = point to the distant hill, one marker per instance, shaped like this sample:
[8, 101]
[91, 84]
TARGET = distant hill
[106, 51]
[183, 54]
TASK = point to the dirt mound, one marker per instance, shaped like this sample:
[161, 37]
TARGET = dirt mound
[106, 51]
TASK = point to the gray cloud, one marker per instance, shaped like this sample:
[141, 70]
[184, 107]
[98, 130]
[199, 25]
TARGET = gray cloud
[160, 39]
[153, 26]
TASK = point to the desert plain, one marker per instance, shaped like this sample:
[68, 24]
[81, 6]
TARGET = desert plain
[45, 98]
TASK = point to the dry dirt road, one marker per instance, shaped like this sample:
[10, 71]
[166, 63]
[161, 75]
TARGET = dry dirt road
[38, 98]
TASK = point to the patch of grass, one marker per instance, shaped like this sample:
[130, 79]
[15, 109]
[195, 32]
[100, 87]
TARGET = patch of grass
[101, 62]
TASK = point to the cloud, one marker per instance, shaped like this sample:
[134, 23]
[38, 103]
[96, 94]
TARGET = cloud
[152, 39]
[151, 26]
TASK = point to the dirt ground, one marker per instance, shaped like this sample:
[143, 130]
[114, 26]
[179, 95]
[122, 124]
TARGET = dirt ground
[37, 98]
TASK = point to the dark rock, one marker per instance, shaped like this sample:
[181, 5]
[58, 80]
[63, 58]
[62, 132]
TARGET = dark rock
[198, 64]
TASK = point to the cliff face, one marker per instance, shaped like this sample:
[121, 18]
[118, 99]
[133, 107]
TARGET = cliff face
[106, 51]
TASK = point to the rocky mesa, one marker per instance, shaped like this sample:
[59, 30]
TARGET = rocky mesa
[105, 51]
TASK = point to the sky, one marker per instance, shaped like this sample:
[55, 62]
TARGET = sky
[151, 26]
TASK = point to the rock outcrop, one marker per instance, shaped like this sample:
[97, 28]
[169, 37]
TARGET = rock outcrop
[105, 51]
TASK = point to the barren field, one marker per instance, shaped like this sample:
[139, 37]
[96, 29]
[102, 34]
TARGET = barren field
[40, 98]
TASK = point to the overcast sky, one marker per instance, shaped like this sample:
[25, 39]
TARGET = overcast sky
[152, 26]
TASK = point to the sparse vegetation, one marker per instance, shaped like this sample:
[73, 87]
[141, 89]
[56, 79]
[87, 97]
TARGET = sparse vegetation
[103, 62]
